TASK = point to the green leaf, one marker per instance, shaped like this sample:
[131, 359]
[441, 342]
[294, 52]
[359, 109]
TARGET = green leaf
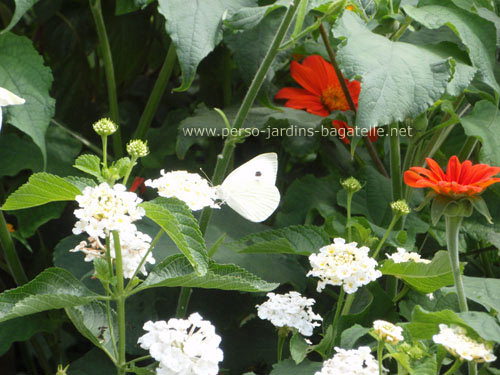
[428, 366]
[424, 278]
[41, 188]
[399, 80]
[484, 324]
[127, 6]
[484, 124]
[91, 320]
[295, 239]
[23, 72]
[29, 220]
[80, 182]
[195, 27]
[90, 164]
[17, 154]
[248, 17]
[94, 362]
[177, 271]
[298, 348]
[54, 288]
[483, 291]
[477, 33]
[176, 220]
[22, 6]
[288, 367]
[351, 335]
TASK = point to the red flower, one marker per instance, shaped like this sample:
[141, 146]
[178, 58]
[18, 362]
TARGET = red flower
[321, 93]
[138, 184]
[460, 179]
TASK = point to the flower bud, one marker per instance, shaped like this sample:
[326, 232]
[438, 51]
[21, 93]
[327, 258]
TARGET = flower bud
[351, 185]
[105, 127]
[137, 148]
[400, 207]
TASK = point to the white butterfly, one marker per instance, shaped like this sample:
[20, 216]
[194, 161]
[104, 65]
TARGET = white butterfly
[8, 98]
[250, 189]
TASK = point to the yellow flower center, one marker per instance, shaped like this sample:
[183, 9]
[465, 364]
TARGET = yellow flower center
[333, 99]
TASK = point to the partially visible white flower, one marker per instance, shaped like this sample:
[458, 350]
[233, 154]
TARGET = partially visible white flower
[104, 209]
[343, 264]
[190, 188]
[430, 296]
[402, 256]
[183, 346]
[456, 341]
[134, 246]
[8, 98]
[350, 362]
[388, 331]
[290, 310]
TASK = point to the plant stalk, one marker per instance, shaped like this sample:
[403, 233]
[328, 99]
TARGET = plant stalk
[394, 220]
[95, 7]
[157, 93]
[120, 298]
[182, 304]
[452, 236]
[380, 356]
[10, 254]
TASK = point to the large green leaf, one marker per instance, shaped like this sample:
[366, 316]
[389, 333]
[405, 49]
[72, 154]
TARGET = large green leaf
[41, 188]
[54, 288]
[288, 367]
[91, 320]
[484, 124]
[177, 271]
[398, 80]
[477, 33]
[483, 323]
[295, 239]
[425, 278]
[176, 220]
[22, 71]
[29, 220]
[195, 28]
[484, 291]
[90, 164]
[17, 154]
[22, 6]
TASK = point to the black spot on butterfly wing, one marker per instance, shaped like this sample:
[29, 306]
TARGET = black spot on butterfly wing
[258, 174]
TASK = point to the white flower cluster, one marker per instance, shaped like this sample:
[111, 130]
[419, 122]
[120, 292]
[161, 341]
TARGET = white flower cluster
[343, 264]
[191, 188]
[134, 246]
[104, 209]
[403, 256]
[350, 362]
[456, 341]
[290, 310]
[183, 346]
[388, 331]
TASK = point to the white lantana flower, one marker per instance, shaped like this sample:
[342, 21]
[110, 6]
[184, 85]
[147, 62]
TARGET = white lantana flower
[8, 98]
[104, 209]
[403, 256]
[456, 341]
[350, 362]
[388, 331]
[343, 264]
[290, 310]
[134, 246]
[190, 188]
[183, 346]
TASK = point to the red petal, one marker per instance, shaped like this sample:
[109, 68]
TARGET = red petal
[307, 78]
[435, 168]
[322, 68]
[453, 170]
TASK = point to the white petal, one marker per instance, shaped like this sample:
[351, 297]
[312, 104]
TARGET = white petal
[9, 98]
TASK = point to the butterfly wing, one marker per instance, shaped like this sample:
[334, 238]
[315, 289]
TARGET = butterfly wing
[263, 167]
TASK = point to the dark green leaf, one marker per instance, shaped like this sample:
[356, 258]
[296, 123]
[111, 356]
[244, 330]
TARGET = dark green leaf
[288, 367]
[22, 6]
[90, 164]
[298, 348]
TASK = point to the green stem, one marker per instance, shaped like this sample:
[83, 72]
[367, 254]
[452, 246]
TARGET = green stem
[95, 7]
[348, 303]
[10, 254]
[104, 150]
[380, 355]
[472, 368]
[143, 358]
[282, 336]
[349, 228]
[453, 368]
[120, 298]
[395, 152]
[157, 93]
[452, 231]
[129, 170]
[84, 141]
[401, 294]
[394, 220]
[111, 327]
[467, 149]
[338, 310]
[182, 304]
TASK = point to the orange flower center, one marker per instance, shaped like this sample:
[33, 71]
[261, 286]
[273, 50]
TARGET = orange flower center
[333, 99]
[11, 228]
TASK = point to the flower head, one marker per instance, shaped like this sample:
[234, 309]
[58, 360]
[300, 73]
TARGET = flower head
[183, 346]
[388, 331]
[403, 256]
[188, 187]
[104, 208]
[343, 264]
[8, 98]
[105, 127]
[456, 341]
[350, 362]
[137, 148]
[321, 93]
[460, 179]
[351, 185]
[290, 310]
[400, 207]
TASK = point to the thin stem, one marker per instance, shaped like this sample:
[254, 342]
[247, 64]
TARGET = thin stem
[95, 7]
[350, 101]
[394, 220]
[120, 304]
[78, 137]
[380, 356]
[467, 149]
[282, 336]
[104, 150]
[182, 304]
[129, 170]
[10, 254]
[349, 228]
[348, 303]
[395, 152]
[452, 232]
[472, 368]
[338, 310]
[143, 358]
[111, 326]
[157, 93]
[401, 294]
[454, 368]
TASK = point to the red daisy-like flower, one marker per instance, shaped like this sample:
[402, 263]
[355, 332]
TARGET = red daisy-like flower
[460, 179]
[321, 93]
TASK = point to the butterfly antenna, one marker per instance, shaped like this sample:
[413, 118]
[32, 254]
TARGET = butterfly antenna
[204, 174]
